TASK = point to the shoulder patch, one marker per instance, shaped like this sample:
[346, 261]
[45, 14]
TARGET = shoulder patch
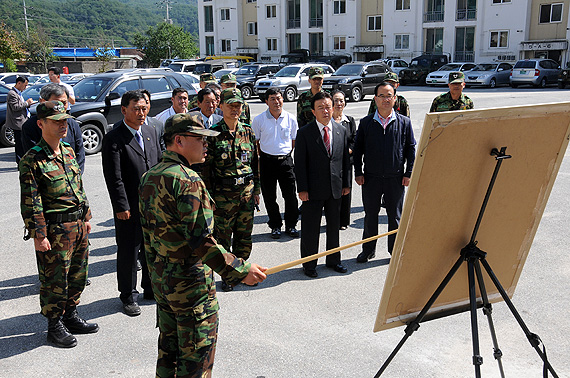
[36, 148]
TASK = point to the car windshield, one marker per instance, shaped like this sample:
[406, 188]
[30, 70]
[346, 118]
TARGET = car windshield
[202, 68]
[485, 67]
[348, 70]
[4, 89]
[419, 62]
[450, 67]
[32, 92]
[219, 73]
[247, 70]
[525, 64]
[176, 67]
[287, 72]
[90, 88]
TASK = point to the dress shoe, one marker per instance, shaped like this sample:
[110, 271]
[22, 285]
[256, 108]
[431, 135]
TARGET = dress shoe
[88, 282]
[76, 325]
[132, 309]
[292, 232]
[226, 286]
[275, 233]
[365, 256]
[339, 268]
[59, 335]
[311, 273]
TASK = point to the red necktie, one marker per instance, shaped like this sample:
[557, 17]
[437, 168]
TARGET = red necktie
[327, 140]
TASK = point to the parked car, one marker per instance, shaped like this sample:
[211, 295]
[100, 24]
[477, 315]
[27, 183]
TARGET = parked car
[4, 89]
[441, 76]
[218, 74]
[420, 67]
[6, 133]
[396, 65]
[9, 78]
[357, 79]
[536, 72]
[489, 74]
[181, 65]
[74, 77]
[249, 73]
[38, 79]
[215, 65]
[564, 78]
[291, 80]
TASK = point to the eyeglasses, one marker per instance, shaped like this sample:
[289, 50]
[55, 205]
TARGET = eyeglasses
[382, 97]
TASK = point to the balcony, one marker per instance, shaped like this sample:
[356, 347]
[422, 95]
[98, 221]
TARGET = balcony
[464, 56]
[316, 22]
[466, 15]
[209, 27]
[435, 16]
[294, 23]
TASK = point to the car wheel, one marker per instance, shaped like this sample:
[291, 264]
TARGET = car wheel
[543, 83]
[422, 81]
[355, 94]
[246, 92]
[7, 136]
[92, 138]
[493, 83]
[290, 94]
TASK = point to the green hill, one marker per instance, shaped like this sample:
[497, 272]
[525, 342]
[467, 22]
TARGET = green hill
[80, 23]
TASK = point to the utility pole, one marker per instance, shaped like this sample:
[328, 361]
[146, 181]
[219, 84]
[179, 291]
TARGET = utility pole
[166, 4]
[26, 19]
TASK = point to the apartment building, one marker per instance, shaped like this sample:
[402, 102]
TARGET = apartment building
[466, 30]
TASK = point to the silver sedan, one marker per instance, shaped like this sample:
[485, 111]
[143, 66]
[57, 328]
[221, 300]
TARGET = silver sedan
[489, 74]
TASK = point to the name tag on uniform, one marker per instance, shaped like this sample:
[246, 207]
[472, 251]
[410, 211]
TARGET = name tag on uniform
[244, 157]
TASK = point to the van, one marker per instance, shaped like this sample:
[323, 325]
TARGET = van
[214, 65]
[179, 65]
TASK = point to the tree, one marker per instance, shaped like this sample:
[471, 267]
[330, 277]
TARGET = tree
[10, 47]
[165, 41]
[39, 48]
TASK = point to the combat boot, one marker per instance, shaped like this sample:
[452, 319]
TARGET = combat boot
[76, 325]
[59, 335]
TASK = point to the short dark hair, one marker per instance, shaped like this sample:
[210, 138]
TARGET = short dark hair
[56, 70]
[270, 92]
[204, 92]
[337, 91]
[136, 95]
[320, 96]
[384, 84]
[179, 90]
[21, 79]
[146, 92]
[52, 89]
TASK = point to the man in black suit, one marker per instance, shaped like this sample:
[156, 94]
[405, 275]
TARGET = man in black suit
[129, 150]
[322, 171]
[17, 113]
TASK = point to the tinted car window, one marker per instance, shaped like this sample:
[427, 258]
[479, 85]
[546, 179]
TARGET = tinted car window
[174, 83]
[348, 70]
[544, 64]
[125, 86]
[467, 67]
[89, 89]
[288, 72]
[157, 84]
[505, 66]
[306, 71]
[525, 64]
[10, 79]
[32, 92]
[374, 70]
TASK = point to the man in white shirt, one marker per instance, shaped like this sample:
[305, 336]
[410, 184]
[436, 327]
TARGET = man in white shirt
[275, 131]
[179, 105]
[54, 73]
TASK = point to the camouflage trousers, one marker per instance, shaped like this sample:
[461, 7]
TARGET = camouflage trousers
[63, 269]
[188, 327]
[234, 217]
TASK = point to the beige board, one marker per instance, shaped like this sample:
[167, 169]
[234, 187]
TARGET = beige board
[451, 175]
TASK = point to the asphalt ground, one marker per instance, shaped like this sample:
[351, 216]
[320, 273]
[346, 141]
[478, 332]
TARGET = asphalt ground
[291, 326]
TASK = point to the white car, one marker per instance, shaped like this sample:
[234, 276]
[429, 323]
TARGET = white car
[396, 65]
[441, 76]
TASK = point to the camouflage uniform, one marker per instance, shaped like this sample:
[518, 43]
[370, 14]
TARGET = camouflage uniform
[177, 222]
[51, 187]
[230, 173]
[245, 116]
[304, 110]
[401, 106]
[444, 103]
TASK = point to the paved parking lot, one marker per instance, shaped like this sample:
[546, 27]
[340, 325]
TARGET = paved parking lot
[291, 326]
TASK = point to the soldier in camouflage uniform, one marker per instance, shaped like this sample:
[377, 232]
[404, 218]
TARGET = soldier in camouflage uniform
[229, 81]
[454, 99]
[177, 221]
[401, 106]
[304, 110]
[56, 216]
[231, 175]
[205, 79]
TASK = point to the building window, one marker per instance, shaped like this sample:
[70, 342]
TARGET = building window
[225, 14]
[434, 41]
[402, 4]
[271, 11]
[316, 43]
[551, 13]
[340, 43]
[316, 13]
[435, 11]
[226, 45]
[374, 23]
[465, 44]
[252, 1]
[339, 6]
[271, 44]
[501, 1]
[499, 38]
[294, 41]
[293, 14]
[210, 50]
[402, 42]
[252, 28]
[208, 19]
[466, 10]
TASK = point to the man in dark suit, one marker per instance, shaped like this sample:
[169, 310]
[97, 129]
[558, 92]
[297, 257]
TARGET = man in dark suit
[17, 113]
[322, 168]
[207, 105]
[129, 150]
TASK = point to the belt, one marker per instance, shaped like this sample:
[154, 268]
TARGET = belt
[66, 217]
[241, 180]
[276, 157]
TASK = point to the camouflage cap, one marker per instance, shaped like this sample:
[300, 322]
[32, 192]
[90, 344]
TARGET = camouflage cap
[52, 110]
[186, 123]
[229, 96]
[316, 72]
[391, 76]
[208, 78]
[228, 78]
[456, 77]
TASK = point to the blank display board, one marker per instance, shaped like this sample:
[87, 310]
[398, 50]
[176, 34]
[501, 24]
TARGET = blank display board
[452, 172]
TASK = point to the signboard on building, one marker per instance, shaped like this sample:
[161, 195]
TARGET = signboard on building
[544, 45]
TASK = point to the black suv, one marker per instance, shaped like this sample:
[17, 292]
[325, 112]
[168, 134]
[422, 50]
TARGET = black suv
[420, 67]
[357, 79]
[98, 99]
[249, 73]
[564, 77]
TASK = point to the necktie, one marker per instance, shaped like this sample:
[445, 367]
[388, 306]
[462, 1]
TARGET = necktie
[327, 140]
[139, 139]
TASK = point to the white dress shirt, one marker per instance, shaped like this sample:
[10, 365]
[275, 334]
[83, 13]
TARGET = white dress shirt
[275, 136]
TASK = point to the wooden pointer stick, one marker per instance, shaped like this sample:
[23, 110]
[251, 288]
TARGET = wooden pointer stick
[290, 264]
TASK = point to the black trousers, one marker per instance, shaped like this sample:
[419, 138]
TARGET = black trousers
[272, 171]
[128, 235]
[311, 229]
[19, 147]
[372, 192]
[345, 209]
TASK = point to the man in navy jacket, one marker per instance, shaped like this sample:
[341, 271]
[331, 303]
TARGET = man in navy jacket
[385, 144]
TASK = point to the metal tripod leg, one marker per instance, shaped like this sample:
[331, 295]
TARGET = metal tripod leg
[488, 311]
[477, 359]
